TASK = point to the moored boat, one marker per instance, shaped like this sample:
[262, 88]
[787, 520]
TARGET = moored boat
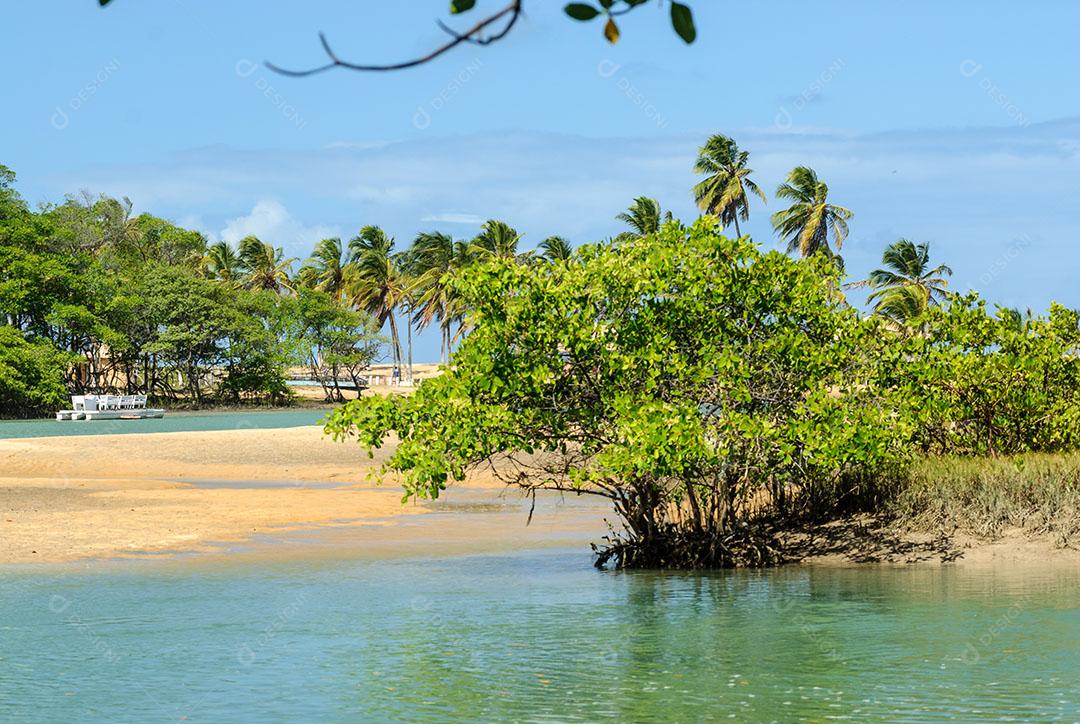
[109, 407]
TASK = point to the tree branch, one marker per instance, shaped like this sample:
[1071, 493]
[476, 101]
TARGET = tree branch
[473, 35]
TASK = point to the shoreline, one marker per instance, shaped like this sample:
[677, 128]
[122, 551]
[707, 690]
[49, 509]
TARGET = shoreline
[305, 396]
[152, 495]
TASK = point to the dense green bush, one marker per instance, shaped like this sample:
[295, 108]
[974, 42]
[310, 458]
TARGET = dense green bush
[31, 375]
[708, 389]
[980, 383]
[690, 378]
[97, 300]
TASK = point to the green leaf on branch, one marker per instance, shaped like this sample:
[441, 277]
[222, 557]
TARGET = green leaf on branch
[682, 19]
[581, 11]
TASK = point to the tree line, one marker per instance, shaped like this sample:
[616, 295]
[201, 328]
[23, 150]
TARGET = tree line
[719, 395]
[95, 298]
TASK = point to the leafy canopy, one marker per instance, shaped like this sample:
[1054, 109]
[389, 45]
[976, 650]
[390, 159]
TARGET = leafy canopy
[679, 375]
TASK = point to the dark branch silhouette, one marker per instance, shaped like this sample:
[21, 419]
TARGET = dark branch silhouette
[474, 35]
[682, 21]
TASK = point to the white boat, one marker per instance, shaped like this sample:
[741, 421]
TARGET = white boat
[109, 407]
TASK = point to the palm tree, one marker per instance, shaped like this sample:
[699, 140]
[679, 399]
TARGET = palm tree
[498, 239]
[643, 217]
[433, 258]
[325, 269]
[808, 222]
[266, 265]
[906, 286]
[555, 249]
[727, 179]
[223, 264]
[902, 305]
[376, 283]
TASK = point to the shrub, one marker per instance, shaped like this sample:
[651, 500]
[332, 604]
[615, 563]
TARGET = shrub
[698, 383]
[31, 375]
[981, 384]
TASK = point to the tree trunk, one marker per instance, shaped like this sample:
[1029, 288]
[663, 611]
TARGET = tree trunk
[409, 332]
[338, 397]
[395, 342]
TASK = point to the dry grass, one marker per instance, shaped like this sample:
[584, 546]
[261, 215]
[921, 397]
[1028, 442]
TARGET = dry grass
[985, 497]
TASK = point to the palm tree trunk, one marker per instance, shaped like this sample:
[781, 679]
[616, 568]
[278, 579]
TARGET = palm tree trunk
[737, 232]
[395, 342]
[410, 353]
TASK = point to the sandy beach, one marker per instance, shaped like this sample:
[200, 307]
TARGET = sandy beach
[65, 498]
[109, 496]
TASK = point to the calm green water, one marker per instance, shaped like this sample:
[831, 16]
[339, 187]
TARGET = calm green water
[535, 636]
[172, 422]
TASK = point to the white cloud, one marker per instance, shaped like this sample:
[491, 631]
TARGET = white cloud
[272, 223]
[356, 145]
[970, 192]
[454, 218]
[397, 195]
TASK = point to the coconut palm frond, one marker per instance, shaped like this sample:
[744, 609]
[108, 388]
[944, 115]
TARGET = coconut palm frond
[643, 216]
[555, 249]
[723, 192]
[808, 223]
[498, 239]
[906, 287]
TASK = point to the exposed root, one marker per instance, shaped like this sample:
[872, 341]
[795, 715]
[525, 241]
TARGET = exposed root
[745, 547]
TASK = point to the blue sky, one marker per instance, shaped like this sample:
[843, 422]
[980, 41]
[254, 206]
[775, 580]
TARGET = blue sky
[952, 123]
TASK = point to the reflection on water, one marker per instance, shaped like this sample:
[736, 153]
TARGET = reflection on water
[172, 422]
[535, 636]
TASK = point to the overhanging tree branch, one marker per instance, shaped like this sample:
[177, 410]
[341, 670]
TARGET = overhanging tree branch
[474, 35]
[682, 21]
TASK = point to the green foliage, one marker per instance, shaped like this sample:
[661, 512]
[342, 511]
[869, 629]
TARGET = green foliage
[682, 17]
[727, 179]
[906, 286]
[431, 262]
[682, 20]
[555, 249]
[643, 217]
[807, 224]
[31, 375]
[97, 299]
[377, 283]
[497, 239]
[686, 377]
[981, 383]
[331, 338]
